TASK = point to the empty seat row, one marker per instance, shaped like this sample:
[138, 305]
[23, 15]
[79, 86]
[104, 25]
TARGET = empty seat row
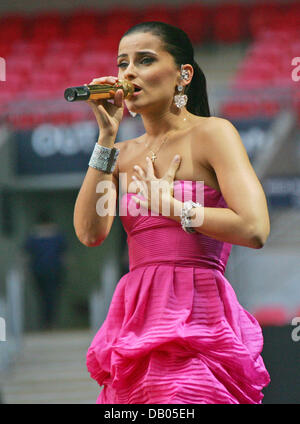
[266, 66]
[228, 22]
[267, 62]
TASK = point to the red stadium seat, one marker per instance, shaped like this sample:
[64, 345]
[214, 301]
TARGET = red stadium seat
[58, 62]
[94, 56]
[33, 48]
[271, 315]
[268, 62]
[5, 49]
[39, 88]
[82, 24]
[104, 45]
[263, 16]
[7, 93]
[117, 21]
[66, 47]
[19, 64]
[292, 17]
[12, 27]
[237, 109]
[45, 26]
[159, 12]
[83, 76]
[17, 81]
[194, 19]
[228, 23]
[257, 107]
[86, 72]
[251, 78]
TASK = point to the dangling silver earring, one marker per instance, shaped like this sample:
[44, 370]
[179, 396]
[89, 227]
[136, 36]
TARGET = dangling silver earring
[180, 99]
[133, 114]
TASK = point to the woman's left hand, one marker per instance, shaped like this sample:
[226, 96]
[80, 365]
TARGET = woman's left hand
[158, 192]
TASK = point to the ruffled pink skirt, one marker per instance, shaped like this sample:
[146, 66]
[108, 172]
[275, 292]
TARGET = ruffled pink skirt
[177, 335]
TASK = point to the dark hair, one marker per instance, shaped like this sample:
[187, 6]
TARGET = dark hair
[177, 43]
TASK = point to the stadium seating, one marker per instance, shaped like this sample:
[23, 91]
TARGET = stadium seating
[72, 49]
[228, 23]
[163, 13]
[46, 26]
[12, 28]
[194, 19]
[271, 315]
[266, 66]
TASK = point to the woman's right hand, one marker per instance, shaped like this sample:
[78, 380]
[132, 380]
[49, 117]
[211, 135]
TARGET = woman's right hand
[108, 114]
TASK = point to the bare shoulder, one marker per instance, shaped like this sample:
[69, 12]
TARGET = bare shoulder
[125, 144]
[237, 179]
[213, 126]
[208, 128]
[220, 138]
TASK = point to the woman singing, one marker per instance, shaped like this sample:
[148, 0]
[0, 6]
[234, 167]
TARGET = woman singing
[175, 332]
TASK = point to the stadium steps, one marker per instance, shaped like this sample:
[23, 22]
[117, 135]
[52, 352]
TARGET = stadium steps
[219, 62]
[51, 370]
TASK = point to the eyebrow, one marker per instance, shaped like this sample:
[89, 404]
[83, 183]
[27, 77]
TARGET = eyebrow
[141, 52]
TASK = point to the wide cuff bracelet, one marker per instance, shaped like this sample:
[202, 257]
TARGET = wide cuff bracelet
[104, 158]
[185, 216]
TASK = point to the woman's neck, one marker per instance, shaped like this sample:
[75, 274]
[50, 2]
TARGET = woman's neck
[159, 124]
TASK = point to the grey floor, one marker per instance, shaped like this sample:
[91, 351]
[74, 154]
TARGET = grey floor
[51, 370]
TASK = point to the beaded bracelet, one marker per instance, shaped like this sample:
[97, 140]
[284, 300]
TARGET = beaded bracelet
[104, 158]
[185, 215]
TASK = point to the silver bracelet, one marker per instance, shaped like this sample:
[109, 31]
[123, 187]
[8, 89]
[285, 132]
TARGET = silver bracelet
[185, 216]
[104, 158]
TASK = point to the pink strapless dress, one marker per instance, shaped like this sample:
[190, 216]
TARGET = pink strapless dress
[175, 332]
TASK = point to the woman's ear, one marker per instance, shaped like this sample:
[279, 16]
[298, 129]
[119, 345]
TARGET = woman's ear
[187, 72]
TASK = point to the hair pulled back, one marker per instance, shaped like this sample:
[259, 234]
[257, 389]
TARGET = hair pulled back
[177, 43]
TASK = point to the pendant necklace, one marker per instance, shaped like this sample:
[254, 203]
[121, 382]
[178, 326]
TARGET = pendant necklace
[154, 156]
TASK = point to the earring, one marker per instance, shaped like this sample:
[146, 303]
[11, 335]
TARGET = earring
[184, 73]
[180, 99]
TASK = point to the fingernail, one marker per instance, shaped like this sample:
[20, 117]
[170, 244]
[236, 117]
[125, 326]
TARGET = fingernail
[177, 158]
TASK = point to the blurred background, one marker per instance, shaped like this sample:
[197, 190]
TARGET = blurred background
[54, 291]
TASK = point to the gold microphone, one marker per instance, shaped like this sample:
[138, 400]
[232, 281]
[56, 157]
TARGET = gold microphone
[98, 91]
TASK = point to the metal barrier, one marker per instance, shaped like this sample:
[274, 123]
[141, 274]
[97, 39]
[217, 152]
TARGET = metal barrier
[11, 312]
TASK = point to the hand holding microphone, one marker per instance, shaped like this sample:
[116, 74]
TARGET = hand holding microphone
[98, 91]
[108, 114]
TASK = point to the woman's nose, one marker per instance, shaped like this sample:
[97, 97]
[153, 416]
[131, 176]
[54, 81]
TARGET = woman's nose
[130, 71]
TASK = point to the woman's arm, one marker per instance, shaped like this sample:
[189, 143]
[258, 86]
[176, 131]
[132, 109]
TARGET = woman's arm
[246, 220]
[92, 223]
[90, 227]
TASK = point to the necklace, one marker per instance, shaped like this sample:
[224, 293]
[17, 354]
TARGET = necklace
[153, 157]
